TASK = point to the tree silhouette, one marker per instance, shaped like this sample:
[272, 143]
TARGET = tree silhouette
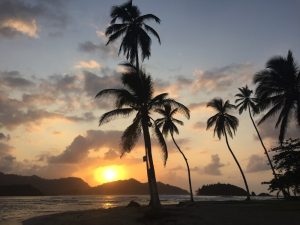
[278, 91]
[225, 123]
[134, 98]
[133, 30]
[287, 163]
[168, 125]
[246, 102]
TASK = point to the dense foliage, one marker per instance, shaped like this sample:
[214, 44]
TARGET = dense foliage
[221, 189]
[287, 164]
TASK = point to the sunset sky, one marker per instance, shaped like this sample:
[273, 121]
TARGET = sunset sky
[53, 61]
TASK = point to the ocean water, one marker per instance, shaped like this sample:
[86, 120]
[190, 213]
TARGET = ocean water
[13, 210]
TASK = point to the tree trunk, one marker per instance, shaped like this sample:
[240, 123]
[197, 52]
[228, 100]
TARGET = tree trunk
[188, 168]
[265, 149]
[286, 195]
[154, 197]
[137, 56]
[240, 168]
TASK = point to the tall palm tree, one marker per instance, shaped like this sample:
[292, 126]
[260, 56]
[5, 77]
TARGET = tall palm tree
[168, 125]
[225, 123]
[278, 91]
[138, 100]
[246, 102]
[134, 31]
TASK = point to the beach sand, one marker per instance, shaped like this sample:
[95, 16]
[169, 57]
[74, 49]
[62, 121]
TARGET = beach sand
[202, 213]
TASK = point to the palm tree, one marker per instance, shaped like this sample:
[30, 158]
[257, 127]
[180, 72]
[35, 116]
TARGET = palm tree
[278, 91]
[134, 98]
[133, 30]
[225, 123]
[246, 102]
[168, 125]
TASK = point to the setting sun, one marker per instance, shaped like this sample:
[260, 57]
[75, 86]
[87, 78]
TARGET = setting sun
[109, 173]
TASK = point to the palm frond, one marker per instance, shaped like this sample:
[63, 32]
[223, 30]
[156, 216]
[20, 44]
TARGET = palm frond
[145, 17]
[212, 121]
[162, 143]
[158, 100]
[181, 107]
[113, 91]
[114, 36]
[114, 28]
[123, 97]
[130, 136]
[270, 113]
[144, 43]
[216, 103]
[153, 32]
[108, 116]
[178, 121]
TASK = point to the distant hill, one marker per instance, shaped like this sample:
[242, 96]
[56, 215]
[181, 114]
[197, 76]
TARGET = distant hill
[62, 186]
[132, 187]
[19, 190]
[221, 189]
[76, 186]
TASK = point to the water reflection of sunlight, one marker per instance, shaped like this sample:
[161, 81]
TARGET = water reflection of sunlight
[107, 205]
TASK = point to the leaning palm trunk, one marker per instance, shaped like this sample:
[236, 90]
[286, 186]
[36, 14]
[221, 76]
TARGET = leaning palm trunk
[137, 58]
[188, 168]
[154, 197]
[286, 195]
[240, 168]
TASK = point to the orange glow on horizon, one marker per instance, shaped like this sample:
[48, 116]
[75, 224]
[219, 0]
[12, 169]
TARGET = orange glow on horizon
[109, 173]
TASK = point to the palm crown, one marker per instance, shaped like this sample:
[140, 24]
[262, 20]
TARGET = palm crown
[138, 98]
[245, 101]
[168, 122]
[134, 30]
[278, 90]
[223, 122]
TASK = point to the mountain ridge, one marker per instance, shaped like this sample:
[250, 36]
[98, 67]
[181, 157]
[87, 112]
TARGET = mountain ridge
[77, 186]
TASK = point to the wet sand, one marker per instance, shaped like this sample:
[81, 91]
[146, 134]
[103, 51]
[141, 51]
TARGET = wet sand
[202, 213]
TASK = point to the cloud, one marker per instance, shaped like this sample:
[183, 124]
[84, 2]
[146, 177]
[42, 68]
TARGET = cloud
[86, 117]
[4, 137]
[12, 113]
[213, 168]
[257, 163]
[267, 129]
[6, 159]
[94, 83]
[198, 105]
[7, 163]
[222, 78]
[14, 79]
[19, 17]
[80, 147]
[200, 125]
[216, 79]
[91, 64]
[174, 87]
[25, 100]
[15, 113]
[104, 50]
[10, 26]
[63, 84]
[5, 148]
[94, 140]
[111, 154]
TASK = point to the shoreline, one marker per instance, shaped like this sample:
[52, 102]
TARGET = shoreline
[271, 212]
